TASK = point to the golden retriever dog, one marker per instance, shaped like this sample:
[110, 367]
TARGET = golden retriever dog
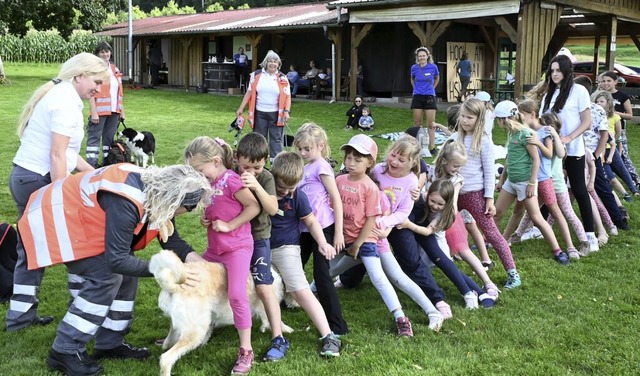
[195, 311]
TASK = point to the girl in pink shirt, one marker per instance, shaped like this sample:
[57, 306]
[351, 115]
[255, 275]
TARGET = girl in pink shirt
[228, 231]
[319, 184]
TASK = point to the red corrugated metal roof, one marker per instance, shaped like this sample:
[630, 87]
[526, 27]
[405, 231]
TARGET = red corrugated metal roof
[291, 16]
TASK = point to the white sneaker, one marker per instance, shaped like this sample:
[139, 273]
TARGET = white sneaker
[312, 287]
[534, 233]
[593, 243]
[338, 283]
[471, 300]
[613, 231]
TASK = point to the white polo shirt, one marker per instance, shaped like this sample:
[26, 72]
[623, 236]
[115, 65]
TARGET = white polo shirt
[59, 111]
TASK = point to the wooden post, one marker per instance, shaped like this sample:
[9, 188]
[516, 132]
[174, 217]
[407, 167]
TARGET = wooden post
[358, 33]
[186, 46]
[596, 58]
[336, 38]
[254, 40]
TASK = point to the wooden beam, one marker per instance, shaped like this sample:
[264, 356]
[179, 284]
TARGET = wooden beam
[438, 30]
[186, 46]
[358, 33]
[507, 28]
[596, 56]
[254, 40]
[611, 43]
[602, 8]
[635, 40]
[488, 40]
[419, 32]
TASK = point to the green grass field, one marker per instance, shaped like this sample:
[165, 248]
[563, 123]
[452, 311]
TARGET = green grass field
[581, 319]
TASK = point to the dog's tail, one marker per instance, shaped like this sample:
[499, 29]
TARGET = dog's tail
[168, 270]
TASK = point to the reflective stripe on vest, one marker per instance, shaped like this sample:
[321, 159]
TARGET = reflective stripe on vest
[63, 221]
[103, 98]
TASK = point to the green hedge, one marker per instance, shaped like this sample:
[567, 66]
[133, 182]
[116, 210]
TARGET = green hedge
[46, 46]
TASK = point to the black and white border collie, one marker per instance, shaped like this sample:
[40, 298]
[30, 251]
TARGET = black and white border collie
[142, 145]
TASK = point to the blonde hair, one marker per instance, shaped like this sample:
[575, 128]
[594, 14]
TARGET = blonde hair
[288, 167]
[476, 108]
[82, 64]
[408, 146]
[514, 123]
[425, 49]
[609, 109]
[205, 149]
[537, 92]
[165, 189]
[313, 134]
[450, 151]
[448, 214]
[271, 55]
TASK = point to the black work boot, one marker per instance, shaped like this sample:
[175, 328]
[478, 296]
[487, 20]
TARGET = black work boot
[123, 351]
[77, 364]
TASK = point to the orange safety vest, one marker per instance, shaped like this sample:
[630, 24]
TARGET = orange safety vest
[103, 98]
[63, 221]
[283, 87]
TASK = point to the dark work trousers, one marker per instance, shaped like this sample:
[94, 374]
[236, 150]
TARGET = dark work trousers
[102, 310]
[604, 190]
[105, 131]
[575, 172]
[8, 258]
[23, 306]
[266, 123]
[327, 294]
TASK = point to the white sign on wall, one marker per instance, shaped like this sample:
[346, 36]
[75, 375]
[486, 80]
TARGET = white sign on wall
[475, 53]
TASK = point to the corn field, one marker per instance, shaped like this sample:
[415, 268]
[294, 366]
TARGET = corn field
[46, 46]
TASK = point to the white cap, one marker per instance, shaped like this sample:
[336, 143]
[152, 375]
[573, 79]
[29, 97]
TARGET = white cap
[363, 144]
[483, 96]
[506, 109]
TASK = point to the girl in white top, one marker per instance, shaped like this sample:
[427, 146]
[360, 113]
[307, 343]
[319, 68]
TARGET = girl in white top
[476, 196]
[572, 104]
[51, 129]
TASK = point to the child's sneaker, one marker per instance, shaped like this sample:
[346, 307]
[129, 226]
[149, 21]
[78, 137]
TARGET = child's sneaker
[338, 284]
[471, 300]
[562, 258]
[613, 231]
[330, 346]
[444, 309]
[243, 362]
[593, 243]
[435, 321]
[492, 290]
[486, 301]
[404, 327]
[277, 350]
[514, 238]
[603, 239]
[573, 253]
[584, 248]
[513, 280]
[312, 287]
[627, 197]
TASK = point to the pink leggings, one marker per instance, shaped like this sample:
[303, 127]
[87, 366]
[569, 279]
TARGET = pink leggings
[474, 203]
[604, 214]
[564, 203]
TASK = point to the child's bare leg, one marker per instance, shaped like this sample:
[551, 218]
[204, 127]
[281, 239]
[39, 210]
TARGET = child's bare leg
[555, 212]
[473, 261]
[514, 221]
[314, 310]
[531, 205]
[271, 307]
[478, 239]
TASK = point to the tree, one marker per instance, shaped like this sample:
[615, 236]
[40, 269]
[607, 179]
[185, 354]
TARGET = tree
[17, 16]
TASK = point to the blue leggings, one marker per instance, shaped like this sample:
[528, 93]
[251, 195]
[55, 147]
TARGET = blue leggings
[617, 166]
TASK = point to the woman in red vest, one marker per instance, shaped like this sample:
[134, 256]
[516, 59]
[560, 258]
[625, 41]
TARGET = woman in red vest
[105, 215]
[269, 99]
[106, 109]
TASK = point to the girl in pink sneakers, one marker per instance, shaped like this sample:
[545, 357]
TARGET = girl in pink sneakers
[228, 231]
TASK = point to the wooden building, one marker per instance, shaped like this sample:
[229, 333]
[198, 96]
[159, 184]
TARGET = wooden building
[502, 37]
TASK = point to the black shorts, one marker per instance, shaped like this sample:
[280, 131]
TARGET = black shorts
[424, 102]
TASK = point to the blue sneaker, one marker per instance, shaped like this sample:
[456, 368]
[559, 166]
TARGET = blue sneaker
[513, 280]
[277, 350]
[562, 258]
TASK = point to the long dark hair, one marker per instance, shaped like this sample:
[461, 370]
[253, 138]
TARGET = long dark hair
[566, 68]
